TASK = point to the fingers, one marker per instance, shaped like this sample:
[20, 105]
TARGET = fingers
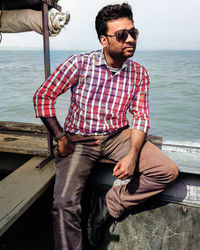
[71, 148]
[62, 153]
[64, 150]
[122, 171]
[116, 168]
[123, 176]
[119, 172]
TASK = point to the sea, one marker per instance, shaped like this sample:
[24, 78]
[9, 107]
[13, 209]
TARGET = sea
[174, 89]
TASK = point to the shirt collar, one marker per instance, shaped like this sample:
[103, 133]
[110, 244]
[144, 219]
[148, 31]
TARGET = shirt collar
[100, 60]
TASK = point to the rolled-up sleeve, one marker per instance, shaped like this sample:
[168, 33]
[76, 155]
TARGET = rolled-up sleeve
[63, 78]
[139, 106]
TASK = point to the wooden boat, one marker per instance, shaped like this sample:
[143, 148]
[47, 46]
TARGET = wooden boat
[22, 187]
[167, 221]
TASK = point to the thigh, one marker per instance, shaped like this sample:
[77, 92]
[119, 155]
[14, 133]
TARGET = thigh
[72, 172]
[151, 158]
[117, 146]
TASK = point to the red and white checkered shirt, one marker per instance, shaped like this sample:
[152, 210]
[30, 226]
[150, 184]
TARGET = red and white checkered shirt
[99, 100]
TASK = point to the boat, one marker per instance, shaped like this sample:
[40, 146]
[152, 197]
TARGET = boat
[23, 158]
[169, 220]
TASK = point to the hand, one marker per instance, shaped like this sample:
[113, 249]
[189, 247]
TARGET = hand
[125, 167]
[64, 147]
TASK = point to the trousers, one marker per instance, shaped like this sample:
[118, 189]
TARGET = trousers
[154, 171]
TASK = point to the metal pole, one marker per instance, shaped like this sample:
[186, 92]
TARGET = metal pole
[46, 40]
[47, 73]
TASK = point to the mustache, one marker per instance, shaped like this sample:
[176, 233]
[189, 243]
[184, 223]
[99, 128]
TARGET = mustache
[130, 45]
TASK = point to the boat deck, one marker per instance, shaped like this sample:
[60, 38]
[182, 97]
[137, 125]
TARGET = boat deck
[23, 186]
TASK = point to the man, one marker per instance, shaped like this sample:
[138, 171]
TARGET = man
[104, 85]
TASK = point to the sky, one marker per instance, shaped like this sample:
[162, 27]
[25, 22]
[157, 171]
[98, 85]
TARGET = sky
[163, 25]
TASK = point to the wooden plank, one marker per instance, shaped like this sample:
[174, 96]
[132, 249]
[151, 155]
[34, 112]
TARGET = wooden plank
[185, 148]
[188, 162]
[21, 126]
[21, 188]
[21, 144]
[157, 140]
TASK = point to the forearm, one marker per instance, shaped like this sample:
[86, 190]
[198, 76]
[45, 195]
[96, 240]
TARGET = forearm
[137, 140]
[64, 146]
[139, 106]
[126, 166]
[53, 125]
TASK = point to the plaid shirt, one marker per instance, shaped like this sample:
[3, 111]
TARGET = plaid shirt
[99, 100]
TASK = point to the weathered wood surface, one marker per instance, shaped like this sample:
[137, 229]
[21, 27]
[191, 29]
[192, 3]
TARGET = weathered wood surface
[29, 138]
[23, 138]
[22, 126]
[24, 144]
[21, 188]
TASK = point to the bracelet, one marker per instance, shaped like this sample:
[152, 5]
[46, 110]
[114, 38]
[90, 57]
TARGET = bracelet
[60, 135]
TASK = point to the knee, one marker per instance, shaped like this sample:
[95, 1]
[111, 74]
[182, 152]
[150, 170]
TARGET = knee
[173, 170]
[68, 206]
[170, 171]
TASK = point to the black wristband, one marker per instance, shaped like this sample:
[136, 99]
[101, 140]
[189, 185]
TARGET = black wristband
[60, 135]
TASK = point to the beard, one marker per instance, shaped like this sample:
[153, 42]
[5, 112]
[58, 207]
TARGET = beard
[123, 54]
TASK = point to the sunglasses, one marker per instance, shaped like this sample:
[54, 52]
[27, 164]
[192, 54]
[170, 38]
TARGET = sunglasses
[121, 35]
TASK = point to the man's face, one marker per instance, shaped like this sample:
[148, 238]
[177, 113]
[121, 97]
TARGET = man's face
[119, 49]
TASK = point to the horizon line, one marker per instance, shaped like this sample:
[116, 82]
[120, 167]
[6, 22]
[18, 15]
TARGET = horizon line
[61, 49]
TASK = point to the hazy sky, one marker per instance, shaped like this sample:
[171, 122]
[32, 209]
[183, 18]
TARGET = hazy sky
[163, 24]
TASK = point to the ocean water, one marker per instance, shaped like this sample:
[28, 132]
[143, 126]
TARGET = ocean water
[174, 90]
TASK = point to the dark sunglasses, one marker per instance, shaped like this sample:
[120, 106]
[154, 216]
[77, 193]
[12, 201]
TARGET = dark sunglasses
[121, 35]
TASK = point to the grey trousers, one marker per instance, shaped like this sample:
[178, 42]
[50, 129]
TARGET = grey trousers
[154, 172]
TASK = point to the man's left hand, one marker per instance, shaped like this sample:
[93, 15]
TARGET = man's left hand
[125, 168]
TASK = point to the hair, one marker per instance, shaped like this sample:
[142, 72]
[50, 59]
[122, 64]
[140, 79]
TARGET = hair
[111, 12]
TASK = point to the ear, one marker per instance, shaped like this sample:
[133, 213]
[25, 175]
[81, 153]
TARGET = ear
[104, 41]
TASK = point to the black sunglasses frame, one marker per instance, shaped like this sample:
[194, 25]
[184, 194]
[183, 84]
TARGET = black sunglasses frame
[133, 32]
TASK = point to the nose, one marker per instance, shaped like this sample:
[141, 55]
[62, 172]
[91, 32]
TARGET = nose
[130, 39]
